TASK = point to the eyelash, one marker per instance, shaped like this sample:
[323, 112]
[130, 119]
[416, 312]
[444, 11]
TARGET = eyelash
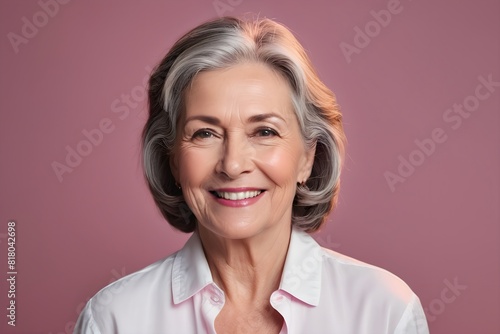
[208, 133]
[271, 131]
[199, 134]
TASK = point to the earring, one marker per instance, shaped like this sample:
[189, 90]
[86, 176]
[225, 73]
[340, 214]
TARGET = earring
[178, 185]
[302, 186]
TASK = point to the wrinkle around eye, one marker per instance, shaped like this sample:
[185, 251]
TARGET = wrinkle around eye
[203, 134]
[266, 132]
[202, 137]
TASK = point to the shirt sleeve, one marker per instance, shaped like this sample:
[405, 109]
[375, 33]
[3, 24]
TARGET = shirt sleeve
[85, 323]
[413, 320]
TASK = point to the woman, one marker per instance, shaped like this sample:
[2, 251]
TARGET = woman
[243, 147]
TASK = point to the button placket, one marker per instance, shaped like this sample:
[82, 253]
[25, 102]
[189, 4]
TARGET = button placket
[215, 299]
[216, 296]
[281, 303]
[277, 298]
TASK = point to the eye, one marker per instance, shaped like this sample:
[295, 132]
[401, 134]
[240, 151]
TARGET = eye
[266, 132]
[203, 134]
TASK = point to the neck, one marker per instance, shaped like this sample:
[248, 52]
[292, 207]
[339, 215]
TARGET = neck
[247, 269]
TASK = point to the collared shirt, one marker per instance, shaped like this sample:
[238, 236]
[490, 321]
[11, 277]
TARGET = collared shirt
[321, 291]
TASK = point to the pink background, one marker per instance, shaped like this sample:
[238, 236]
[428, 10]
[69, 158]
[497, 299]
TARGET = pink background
[99, 222]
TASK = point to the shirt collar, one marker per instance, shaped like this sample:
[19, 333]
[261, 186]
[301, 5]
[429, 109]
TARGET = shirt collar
[302, 271]
[190, 271]
[301, 276]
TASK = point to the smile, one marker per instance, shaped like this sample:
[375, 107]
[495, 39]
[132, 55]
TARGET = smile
[235, 196]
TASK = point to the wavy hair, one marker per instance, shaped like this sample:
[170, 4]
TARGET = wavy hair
[222, 43]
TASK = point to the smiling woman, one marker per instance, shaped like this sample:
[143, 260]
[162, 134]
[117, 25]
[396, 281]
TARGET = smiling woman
[240, 152]
[244, 136]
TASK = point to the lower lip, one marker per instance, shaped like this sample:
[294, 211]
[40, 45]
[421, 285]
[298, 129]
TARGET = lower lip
[239, 202]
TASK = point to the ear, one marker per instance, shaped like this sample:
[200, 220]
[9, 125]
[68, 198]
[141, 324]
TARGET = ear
[307, 163]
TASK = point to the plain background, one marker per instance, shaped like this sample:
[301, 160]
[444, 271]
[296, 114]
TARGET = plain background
[85, 64]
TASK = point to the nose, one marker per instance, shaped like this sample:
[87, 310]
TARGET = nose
[236, 156]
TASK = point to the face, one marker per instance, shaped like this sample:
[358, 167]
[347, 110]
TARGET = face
[239, 151]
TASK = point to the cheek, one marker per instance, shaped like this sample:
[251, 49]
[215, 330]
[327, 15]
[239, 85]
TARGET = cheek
[280, 164]
[194, 166]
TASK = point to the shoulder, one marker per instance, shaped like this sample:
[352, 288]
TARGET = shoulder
[354, 296]
[127, 298]
[378, 296]
[153, 277]
[361, 277]
[152, 298]
[310, 266]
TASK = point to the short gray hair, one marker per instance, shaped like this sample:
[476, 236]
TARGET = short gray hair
[222, 43]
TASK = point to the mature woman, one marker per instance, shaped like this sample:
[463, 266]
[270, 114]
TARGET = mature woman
[243, 147]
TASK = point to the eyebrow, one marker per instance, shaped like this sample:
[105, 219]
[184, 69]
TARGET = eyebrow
[253, 119]
[263, 117]
[203, 118]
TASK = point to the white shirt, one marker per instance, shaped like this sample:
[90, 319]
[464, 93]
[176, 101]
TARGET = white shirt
[321, 291]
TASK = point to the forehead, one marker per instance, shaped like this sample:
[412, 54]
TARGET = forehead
[247, 88]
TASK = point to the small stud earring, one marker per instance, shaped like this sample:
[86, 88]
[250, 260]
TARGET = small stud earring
[302, 185]
[178, 185]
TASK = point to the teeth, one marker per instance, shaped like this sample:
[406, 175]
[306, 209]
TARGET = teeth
[238, 196]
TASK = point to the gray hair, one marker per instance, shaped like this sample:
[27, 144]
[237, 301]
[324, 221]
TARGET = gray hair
[222, 43]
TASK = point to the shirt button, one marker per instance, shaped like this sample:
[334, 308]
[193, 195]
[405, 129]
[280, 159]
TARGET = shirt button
[277, 298]
[216, 299]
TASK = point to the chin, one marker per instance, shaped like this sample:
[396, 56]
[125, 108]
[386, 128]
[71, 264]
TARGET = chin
[234, 231]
